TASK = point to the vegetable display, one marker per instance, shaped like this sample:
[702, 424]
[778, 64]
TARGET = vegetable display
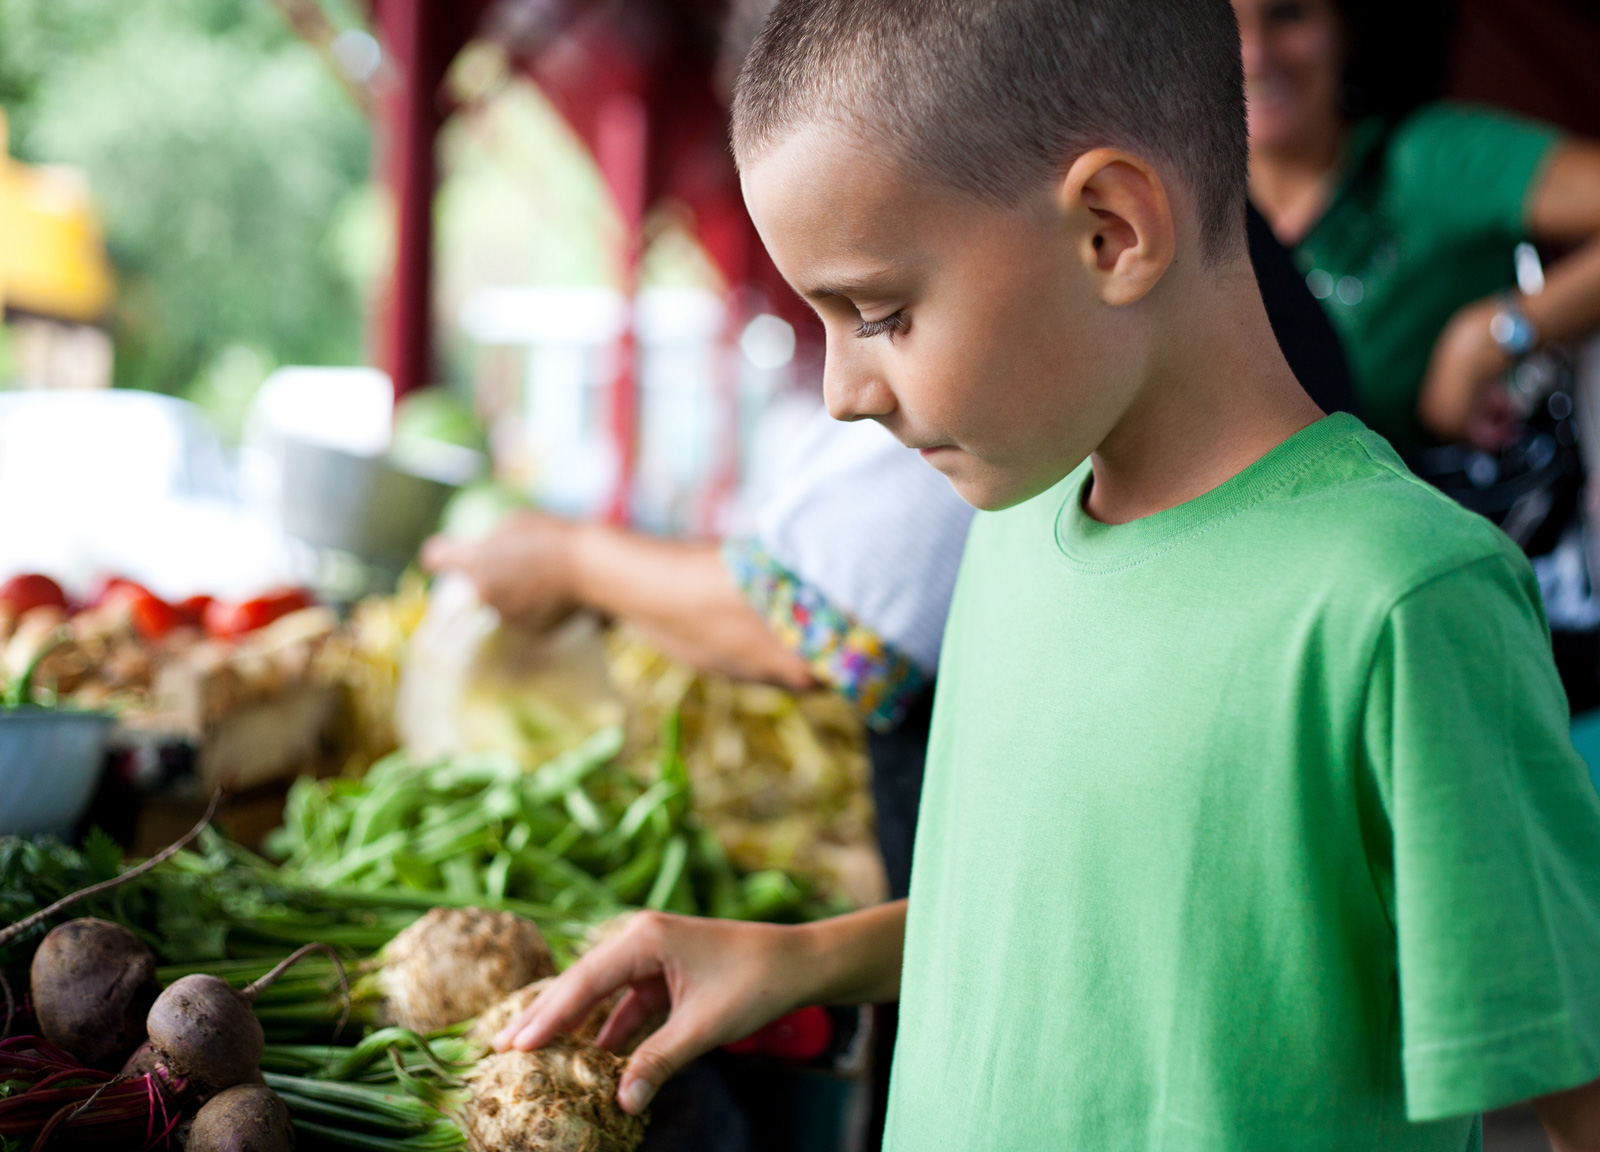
[129, 650]
[200, 1000]
[201, 1076]
[171, 1018]
[582, 834]
[779, 777]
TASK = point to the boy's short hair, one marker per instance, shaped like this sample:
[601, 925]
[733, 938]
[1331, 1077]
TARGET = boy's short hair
[995, 97]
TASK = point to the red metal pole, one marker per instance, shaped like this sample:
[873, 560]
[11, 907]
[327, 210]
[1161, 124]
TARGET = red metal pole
[622, 151]
[409, 123]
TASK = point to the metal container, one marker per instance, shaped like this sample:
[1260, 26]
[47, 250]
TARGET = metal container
[50, 762]
[367, 506]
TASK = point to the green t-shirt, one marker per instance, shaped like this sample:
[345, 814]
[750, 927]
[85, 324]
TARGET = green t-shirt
[1251, 825]
[1424, 222]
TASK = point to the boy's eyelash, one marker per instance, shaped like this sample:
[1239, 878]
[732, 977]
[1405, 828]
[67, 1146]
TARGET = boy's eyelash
[892, 325]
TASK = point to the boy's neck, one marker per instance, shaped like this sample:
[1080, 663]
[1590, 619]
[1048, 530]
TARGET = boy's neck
[1219, 396]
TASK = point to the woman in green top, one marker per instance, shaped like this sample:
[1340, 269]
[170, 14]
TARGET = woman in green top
[1404, 216]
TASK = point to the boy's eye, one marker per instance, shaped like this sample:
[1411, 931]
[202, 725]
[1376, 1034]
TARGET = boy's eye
[892, 325]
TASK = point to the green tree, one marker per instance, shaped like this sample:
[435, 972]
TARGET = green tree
[220, 153]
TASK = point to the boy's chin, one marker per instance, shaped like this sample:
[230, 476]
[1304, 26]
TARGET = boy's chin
[986, 488]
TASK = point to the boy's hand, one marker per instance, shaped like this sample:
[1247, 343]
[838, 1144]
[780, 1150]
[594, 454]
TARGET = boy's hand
[718, 981]
[524, 568]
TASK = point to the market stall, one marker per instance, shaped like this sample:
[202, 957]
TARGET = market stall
[579, 778]
[406, 816]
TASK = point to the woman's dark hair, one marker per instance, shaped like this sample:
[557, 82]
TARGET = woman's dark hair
[1399, 54]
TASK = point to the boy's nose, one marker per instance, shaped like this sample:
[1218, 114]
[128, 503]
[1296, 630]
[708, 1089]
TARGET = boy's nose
[852, 391]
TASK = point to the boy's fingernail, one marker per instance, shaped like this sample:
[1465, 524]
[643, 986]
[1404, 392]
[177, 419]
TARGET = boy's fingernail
[502, 1040]
[524, 1040]
[636, 1095]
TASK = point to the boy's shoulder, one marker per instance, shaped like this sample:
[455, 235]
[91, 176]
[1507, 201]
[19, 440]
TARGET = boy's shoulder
[1333, 508]
[1359, 513]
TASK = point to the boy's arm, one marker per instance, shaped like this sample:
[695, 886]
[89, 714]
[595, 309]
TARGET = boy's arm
[1572, 1118]
[717, 981]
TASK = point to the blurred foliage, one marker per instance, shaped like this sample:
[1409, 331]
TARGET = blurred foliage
[223, 158]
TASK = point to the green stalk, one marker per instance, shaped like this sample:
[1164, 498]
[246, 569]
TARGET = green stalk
[443, 1136]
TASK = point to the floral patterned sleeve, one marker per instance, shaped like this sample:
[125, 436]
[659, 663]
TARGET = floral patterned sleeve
[880, 681]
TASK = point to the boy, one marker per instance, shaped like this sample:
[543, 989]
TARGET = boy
[1251, 821]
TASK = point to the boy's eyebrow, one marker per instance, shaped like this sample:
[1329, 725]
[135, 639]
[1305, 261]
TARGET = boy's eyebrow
[848, 287]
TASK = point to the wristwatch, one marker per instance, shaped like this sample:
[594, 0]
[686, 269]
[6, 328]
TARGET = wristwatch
[1512, 331]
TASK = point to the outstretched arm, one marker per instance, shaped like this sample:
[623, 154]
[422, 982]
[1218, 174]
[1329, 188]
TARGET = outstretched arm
[718, 980]
[536, 568]
[1458, 397]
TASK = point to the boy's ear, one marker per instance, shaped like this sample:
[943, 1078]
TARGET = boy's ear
[1117, 208]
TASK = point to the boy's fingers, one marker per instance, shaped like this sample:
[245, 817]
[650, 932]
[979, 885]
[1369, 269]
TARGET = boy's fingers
[672, 1046]
[574, 994]
[502, 1039]
[638, 1005]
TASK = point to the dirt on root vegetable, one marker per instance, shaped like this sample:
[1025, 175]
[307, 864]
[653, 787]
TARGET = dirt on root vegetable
[562, 1098]
[455, 962]
[93, 983]
[489, 1022]
[245, 1118]
[203, 1029]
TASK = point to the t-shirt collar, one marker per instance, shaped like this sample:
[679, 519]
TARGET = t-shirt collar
[1089, 545]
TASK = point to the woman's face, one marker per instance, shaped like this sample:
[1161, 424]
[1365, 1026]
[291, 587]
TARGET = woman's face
[1293, 61]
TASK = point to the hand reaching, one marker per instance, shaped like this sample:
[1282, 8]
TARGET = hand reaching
[524, 568]
[717, 981]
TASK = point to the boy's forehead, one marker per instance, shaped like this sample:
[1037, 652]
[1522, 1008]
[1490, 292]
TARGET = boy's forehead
[834, 212]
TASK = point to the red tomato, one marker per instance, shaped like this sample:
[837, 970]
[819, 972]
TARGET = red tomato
[25, 593]
[193, 610]
[225, 620]
[799, 1037]
[116, 590]
[152, 616]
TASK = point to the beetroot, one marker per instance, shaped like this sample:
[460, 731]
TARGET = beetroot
[202, 1029]
[93, 984]
[245, 1118]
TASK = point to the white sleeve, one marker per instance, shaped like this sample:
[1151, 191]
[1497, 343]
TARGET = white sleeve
[867, 523]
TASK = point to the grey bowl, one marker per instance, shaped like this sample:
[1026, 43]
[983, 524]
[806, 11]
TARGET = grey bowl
[367, 506]
[50, 762]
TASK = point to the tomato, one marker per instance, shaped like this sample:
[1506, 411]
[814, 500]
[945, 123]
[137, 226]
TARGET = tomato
[25, 593]
[152, 616]
[799, 1037]
[116, 590]
[225, 620]
[193, 610]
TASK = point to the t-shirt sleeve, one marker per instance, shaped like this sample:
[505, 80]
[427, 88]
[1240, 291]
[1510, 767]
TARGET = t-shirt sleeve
[1461, 170]
[1494, 845]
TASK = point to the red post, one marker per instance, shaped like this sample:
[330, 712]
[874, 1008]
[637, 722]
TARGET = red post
[409, 123]
[622, 151]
